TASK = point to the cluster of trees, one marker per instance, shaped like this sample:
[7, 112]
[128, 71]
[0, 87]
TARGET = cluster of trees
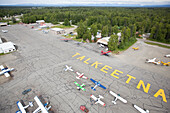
[109, 20]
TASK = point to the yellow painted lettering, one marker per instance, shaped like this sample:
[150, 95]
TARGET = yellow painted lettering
[96, 64]
[161, 92]
[146, 89]
[87, 60]
[81, 58]
[105, 68]
[130, 77]
[115, 72]
[76, 54]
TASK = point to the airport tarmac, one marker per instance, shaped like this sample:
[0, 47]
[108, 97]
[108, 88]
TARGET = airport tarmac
[41, 58]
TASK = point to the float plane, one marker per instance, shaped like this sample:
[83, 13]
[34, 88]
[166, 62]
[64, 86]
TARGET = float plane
[98, 100]
[117, 96]
[97, 84]
[5, 71]
[68, 68]
[80, 75]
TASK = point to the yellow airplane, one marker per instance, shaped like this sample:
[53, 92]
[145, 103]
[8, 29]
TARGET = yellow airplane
[135, 48]
[165, 64]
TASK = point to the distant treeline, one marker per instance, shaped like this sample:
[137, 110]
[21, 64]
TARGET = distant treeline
[144, 20]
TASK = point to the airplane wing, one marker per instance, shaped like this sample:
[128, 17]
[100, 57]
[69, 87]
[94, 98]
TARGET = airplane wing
[100, 102]
[93, 97]
[7, 74]
[41, 106]
[21, 107]
[108, 52]
[118, 97]
[140, 109]
[1, 67]
[78, 73]
[93, 80]
[85, 77]
[77, 84]
[102, 86]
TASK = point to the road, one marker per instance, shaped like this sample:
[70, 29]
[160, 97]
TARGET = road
[41, 58]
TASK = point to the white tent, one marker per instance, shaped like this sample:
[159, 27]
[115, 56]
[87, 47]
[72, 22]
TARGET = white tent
[104, 40]
[7, 47]
[58, 30]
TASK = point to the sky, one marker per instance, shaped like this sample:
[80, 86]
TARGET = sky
[87, 2]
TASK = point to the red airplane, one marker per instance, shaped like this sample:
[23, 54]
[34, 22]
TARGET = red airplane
[105, 53]
[66, 39]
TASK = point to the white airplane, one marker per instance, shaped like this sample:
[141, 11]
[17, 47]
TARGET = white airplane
[5, 31]
[45, 32]
[22, 108]
[68, 68]
[5, 71]
[150, 60]
[168, 56]
[117, 97]
[42, 108]
[80, 75]
[97, 100]
[140, 109]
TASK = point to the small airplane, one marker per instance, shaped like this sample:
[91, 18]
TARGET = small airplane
[66, 39]
[117, 96]
[45, 32]
[150, 60]
[5, 71]
[81, 76]
[165, 64]
[105, 53]
[168, 56]
[22, 108]
[68, 68]
[97, 100]
[4, 31]
[42, 108]
[97, 84]
[135, 48]
[140, 109]
[80, 86]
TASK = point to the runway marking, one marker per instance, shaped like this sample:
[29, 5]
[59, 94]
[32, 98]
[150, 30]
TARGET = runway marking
[105, 68]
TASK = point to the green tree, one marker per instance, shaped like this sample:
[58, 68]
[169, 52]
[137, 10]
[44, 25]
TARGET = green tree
[93, 30]
[115, 29]
[14, 20]
[105, 31]
[113, 42]
[66, 22]
[81, 30]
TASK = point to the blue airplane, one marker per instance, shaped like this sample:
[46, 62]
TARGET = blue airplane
[97, 84]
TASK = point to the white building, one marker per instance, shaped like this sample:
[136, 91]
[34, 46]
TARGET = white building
[7, 47]
[103, 41]
[40, 22]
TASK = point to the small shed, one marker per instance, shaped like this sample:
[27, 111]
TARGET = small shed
[7, 47]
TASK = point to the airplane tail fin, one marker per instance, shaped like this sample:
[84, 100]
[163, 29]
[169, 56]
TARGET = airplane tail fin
[93, 88]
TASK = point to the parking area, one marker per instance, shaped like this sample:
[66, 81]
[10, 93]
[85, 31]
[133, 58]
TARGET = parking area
[41, 58]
